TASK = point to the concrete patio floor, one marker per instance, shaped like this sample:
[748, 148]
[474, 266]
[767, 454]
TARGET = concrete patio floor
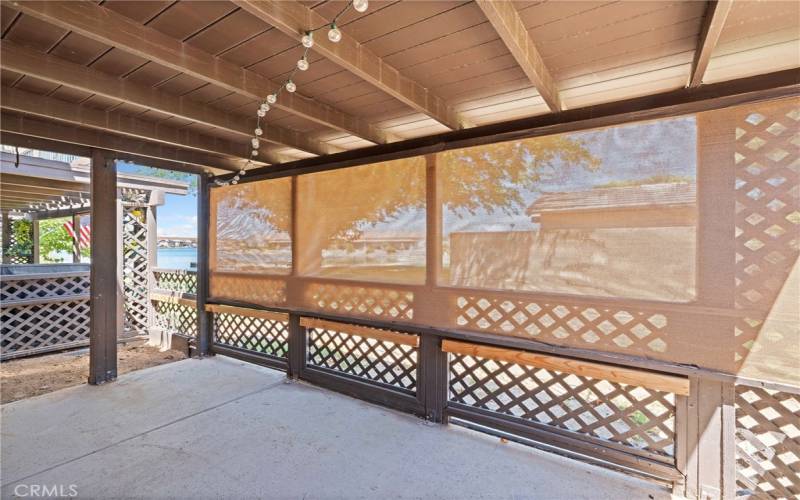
[220, 428]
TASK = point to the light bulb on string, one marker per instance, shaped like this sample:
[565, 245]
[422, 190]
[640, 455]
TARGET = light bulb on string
[258, 131]
[242, 172]
[334, 35]
[254, 153]
[272, 98]
[290, 86]
[308, 40]
[261, 113]
[264, 107]
[302, 64]
[254, 142]
[361, 5]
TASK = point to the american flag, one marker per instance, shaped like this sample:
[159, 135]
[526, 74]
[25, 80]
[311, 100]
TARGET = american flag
[86, 233]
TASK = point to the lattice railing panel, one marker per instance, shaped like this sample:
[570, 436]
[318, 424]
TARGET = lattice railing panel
[178, 280]
[135, 270]
[261, 335]
[36, 327]
[599, 327]
[371, 301]
[176, 317]
[767, 443]
[62, 286]
[767, 166]
[369, 358]
[633, 416]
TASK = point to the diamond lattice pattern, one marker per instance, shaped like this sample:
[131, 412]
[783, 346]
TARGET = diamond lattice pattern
[633, 416]
[261, 335]
[767, 443]
[372, 359]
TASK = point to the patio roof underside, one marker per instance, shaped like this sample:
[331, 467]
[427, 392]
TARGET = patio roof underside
[48, 188]
[177, 83]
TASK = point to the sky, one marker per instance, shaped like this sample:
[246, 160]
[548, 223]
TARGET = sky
[178, 215]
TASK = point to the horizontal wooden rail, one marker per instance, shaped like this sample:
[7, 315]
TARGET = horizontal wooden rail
[242, 311]
[362, 331]
[650, 380]
[181, 298]
[45, 300]
[48, 276]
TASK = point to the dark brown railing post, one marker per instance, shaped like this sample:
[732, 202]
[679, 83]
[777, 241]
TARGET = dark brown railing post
[106, 303]
[205, 325]
[298, 347]
[432, 378]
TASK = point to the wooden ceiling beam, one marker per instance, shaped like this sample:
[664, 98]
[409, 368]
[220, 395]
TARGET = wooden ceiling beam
[56, 109]
[54, 69]
[111, 28]
[713, 22]
[294, 19]
[505, 19]
[69, 148]
[95, 139]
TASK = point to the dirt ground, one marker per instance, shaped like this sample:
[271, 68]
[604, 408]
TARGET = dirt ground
[27, 377]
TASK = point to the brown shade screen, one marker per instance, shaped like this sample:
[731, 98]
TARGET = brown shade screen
[365, 223]
[608, 212]
[675, 240]
[252, 225]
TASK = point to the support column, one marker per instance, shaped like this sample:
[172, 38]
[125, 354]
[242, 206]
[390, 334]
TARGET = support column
[76, 241]
[151, 222]
[6, 237]
[105, 301]
[35, 240]
[205, 334]
[708, 457]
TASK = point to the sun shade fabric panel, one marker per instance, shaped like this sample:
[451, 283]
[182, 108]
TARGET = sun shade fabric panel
[675, 239]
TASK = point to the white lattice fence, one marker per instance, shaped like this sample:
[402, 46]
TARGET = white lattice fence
[135, 269]
[767, 443]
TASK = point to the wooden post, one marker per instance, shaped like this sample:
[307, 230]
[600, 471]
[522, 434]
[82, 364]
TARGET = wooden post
[76, 240]
[433, 376]
[6, 237]
[708, 457]
[35, 241]
[433, 233]
[104, 283]
[151, 220]
[205, 334]
[298, 347]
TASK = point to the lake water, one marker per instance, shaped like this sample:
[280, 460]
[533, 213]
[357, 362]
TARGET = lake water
[177, 258]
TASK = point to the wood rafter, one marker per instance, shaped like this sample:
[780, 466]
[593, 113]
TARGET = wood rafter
[293, 19]
[37, 127]
[109, 27]
[60, 146]
[716, 14]
[505, 19]
[54, 69]
[48, 107]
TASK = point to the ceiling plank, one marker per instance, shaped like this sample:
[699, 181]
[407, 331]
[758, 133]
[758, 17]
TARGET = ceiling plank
[37, 127]
[506, 21]
[48, 107]
[23, 60]
[713, 22]
[108, 27]
[294, 19]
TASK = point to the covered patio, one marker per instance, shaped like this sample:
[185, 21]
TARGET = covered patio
[518, 226]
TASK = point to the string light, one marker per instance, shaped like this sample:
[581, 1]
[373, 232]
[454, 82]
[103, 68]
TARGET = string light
[334, 35]
[361, 5]
[307, 41]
